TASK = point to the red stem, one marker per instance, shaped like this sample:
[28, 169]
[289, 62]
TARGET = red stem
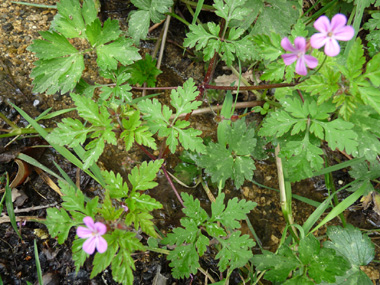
[151, 156]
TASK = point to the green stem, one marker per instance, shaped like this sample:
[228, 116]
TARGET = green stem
[329, 181]
[24, 131]
[35, 5]
[178, 18]
[204, 7]
[9, 122]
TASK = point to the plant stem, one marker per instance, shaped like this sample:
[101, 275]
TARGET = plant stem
[151, 156]
[178, 18]
[204, 7]
[172, 185]
[166, 27]
[210, 109]
[285, 195]
[259, 87]
[9, 122]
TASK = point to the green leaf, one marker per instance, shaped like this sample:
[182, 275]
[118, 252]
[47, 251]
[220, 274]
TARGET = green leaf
[79, 255]
[247, 13]
[141, 220]
[308, 247]
[71, 19]
[122, 266]
[303, 157]
[324, 87]
[144, 71]
[189, 138]
[98, 35]
[158, 120]
[234, 212]
[371, 96]
[363, 173]
[278, 17]
[198, 37]
[184, 260]
[149, 10]
[120, 50]
[372, 70]
[339, 134]
[90, 111]
[183, 235]
[268, 46]
[230, 10]
[116, 186]
[145, 202]
[326, 265]
[235, 252]
[73, 199]
[103, 260]
[201, 244]
[54, 45]
[193, 209]
[278, 265]
[350, 243]
[70, 132]
[60, 73]
[355, 59]
[183, 98]
[274, 71]
[138, 25]
[134, 132]
[157, 115]
[235, 161]
[108, 210]
[142, 177]
[59, 223]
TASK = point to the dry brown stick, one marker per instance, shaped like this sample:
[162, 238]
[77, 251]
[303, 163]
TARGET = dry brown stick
[238, 105]
[34, 208]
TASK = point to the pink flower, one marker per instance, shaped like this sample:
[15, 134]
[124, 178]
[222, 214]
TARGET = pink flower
[330, 33]
[125, 208]
[298, 53]
[93, 233]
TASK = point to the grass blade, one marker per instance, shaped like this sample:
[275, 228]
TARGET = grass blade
[62, 150]
[342, 206]
[35, 163]
[38, 265]
[9, 204]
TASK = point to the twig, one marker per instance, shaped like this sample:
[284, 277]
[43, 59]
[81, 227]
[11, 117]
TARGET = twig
[34, 208]
[166, 27]
[210, 109]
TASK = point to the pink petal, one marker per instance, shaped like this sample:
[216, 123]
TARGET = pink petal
[286, 45]
[289, 58]
[89, 245]
[83, 232]
[300, 66]
[318, 40]
[322, 24]
[344, 34]
[300, 43]
[332, 47]
[101, 244]
[337, 22]
[101, 228]
[89, 222]
[311, 61]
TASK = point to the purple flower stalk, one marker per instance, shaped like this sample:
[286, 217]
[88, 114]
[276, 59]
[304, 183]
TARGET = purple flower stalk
[298, 53]
[93, 233]
[330, 33]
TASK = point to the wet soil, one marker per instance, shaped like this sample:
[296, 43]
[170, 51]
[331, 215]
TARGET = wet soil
[19, 26]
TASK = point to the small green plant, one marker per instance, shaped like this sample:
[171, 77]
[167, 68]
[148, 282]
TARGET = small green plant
[321, 99]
